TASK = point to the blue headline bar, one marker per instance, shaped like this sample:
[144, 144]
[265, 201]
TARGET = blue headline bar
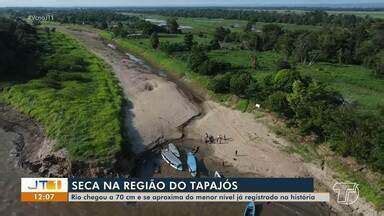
[191, 185]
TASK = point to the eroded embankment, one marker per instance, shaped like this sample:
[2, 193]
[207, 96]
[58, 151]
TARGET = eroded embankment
[32, 148]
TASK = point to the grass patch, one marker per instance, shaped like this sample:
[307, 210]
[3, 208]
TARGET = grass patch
[78, 101]
[242, 105]
[355, 83]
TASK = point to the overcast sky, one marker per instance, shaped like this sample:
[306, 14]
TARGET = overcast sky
[95, 3]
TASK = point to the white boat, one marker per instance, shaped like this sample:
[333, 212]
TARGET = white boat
[173, 149]
[217, 175]
[192, 164]
[171, 159]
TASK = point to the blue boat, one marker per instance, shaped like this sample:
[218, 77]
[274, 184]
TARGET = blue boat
[250, 209]
[192, 164]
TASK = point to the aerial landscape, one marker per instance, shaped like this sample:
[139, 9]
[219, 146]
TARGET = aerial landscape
[193, 89]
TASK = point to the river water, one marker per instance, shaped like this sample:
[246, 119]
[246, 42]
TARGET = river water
[10, 175]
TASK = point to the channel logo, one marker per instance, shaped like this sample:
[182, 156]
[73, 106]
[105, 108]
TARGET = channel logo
[49, 185]
[44, 189]
[347, 192]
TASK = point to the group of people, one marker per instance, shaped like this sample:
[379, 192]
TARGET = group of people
[209, 139]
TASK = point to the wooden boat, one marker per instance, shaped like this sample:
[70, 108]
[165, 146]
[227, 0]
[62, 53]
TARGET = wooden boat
[192, 164]
[217, 174]
[171, 159]
[250, 209]
[173, 149]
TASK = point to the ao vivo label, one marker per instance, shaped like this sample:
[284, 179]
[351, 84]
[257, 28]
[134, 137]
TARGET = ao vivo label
[44, 189]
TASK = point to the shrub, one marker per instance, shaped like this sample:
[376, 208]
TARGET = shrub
[283, 64]
[239, 83]
[278, 103]
[196, 58]
[211, 67]
[170, 48]
[220, 83]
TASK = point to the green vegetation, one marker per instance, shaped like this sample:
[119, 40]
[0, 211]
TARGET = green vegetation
[323, 77]
[78, 99]
[355, 83]
[298, 95]
[18, 50]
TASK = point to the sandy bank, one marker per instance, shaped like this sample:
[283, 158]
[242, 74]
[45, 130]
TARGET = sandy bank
[156, 109]
[258, 150]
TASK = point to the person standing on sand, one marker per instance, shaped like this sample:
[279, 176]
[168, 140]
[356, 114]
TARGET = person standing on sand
[197, 149]
[236, 152]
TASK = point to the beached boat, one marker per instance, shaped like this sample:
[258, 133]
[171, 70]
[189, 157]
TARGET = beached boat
[171, 159]
[217, 174]
[250, 209]
[173, 149]
[192, 164]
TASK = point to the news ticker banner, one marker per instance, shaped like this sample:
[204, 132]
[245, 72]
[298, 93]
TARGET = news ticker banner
[170, 190]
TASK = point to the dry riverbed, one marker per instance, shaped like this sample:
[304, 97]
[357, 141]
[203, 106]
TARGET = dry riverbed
[159, 109]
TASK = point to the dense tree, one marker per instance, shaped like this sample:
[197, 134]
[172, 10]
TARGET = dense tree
[18, 49]
[271, 33]
[220, 83]
[252, 41]
[172, 26]
[378, 35]
[306, 50]
[220, 33]
[239, 83]
[283, 64]
[188, 41]
[196, 57]
[312, 104]
[155, 40]
[248, 27]
[286, 44]
[379, 64]
[277, 102]
[214, 44]
[253, 90]
[212, 67]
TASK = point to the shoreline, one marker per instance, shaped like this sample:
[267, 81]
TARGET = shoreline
[290, 167]
[324, 177]
[216, 116]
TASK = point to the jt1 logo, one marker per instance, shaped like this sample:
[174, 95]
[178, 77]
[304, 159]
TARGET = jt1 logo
[347, 193]
[46, 185]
